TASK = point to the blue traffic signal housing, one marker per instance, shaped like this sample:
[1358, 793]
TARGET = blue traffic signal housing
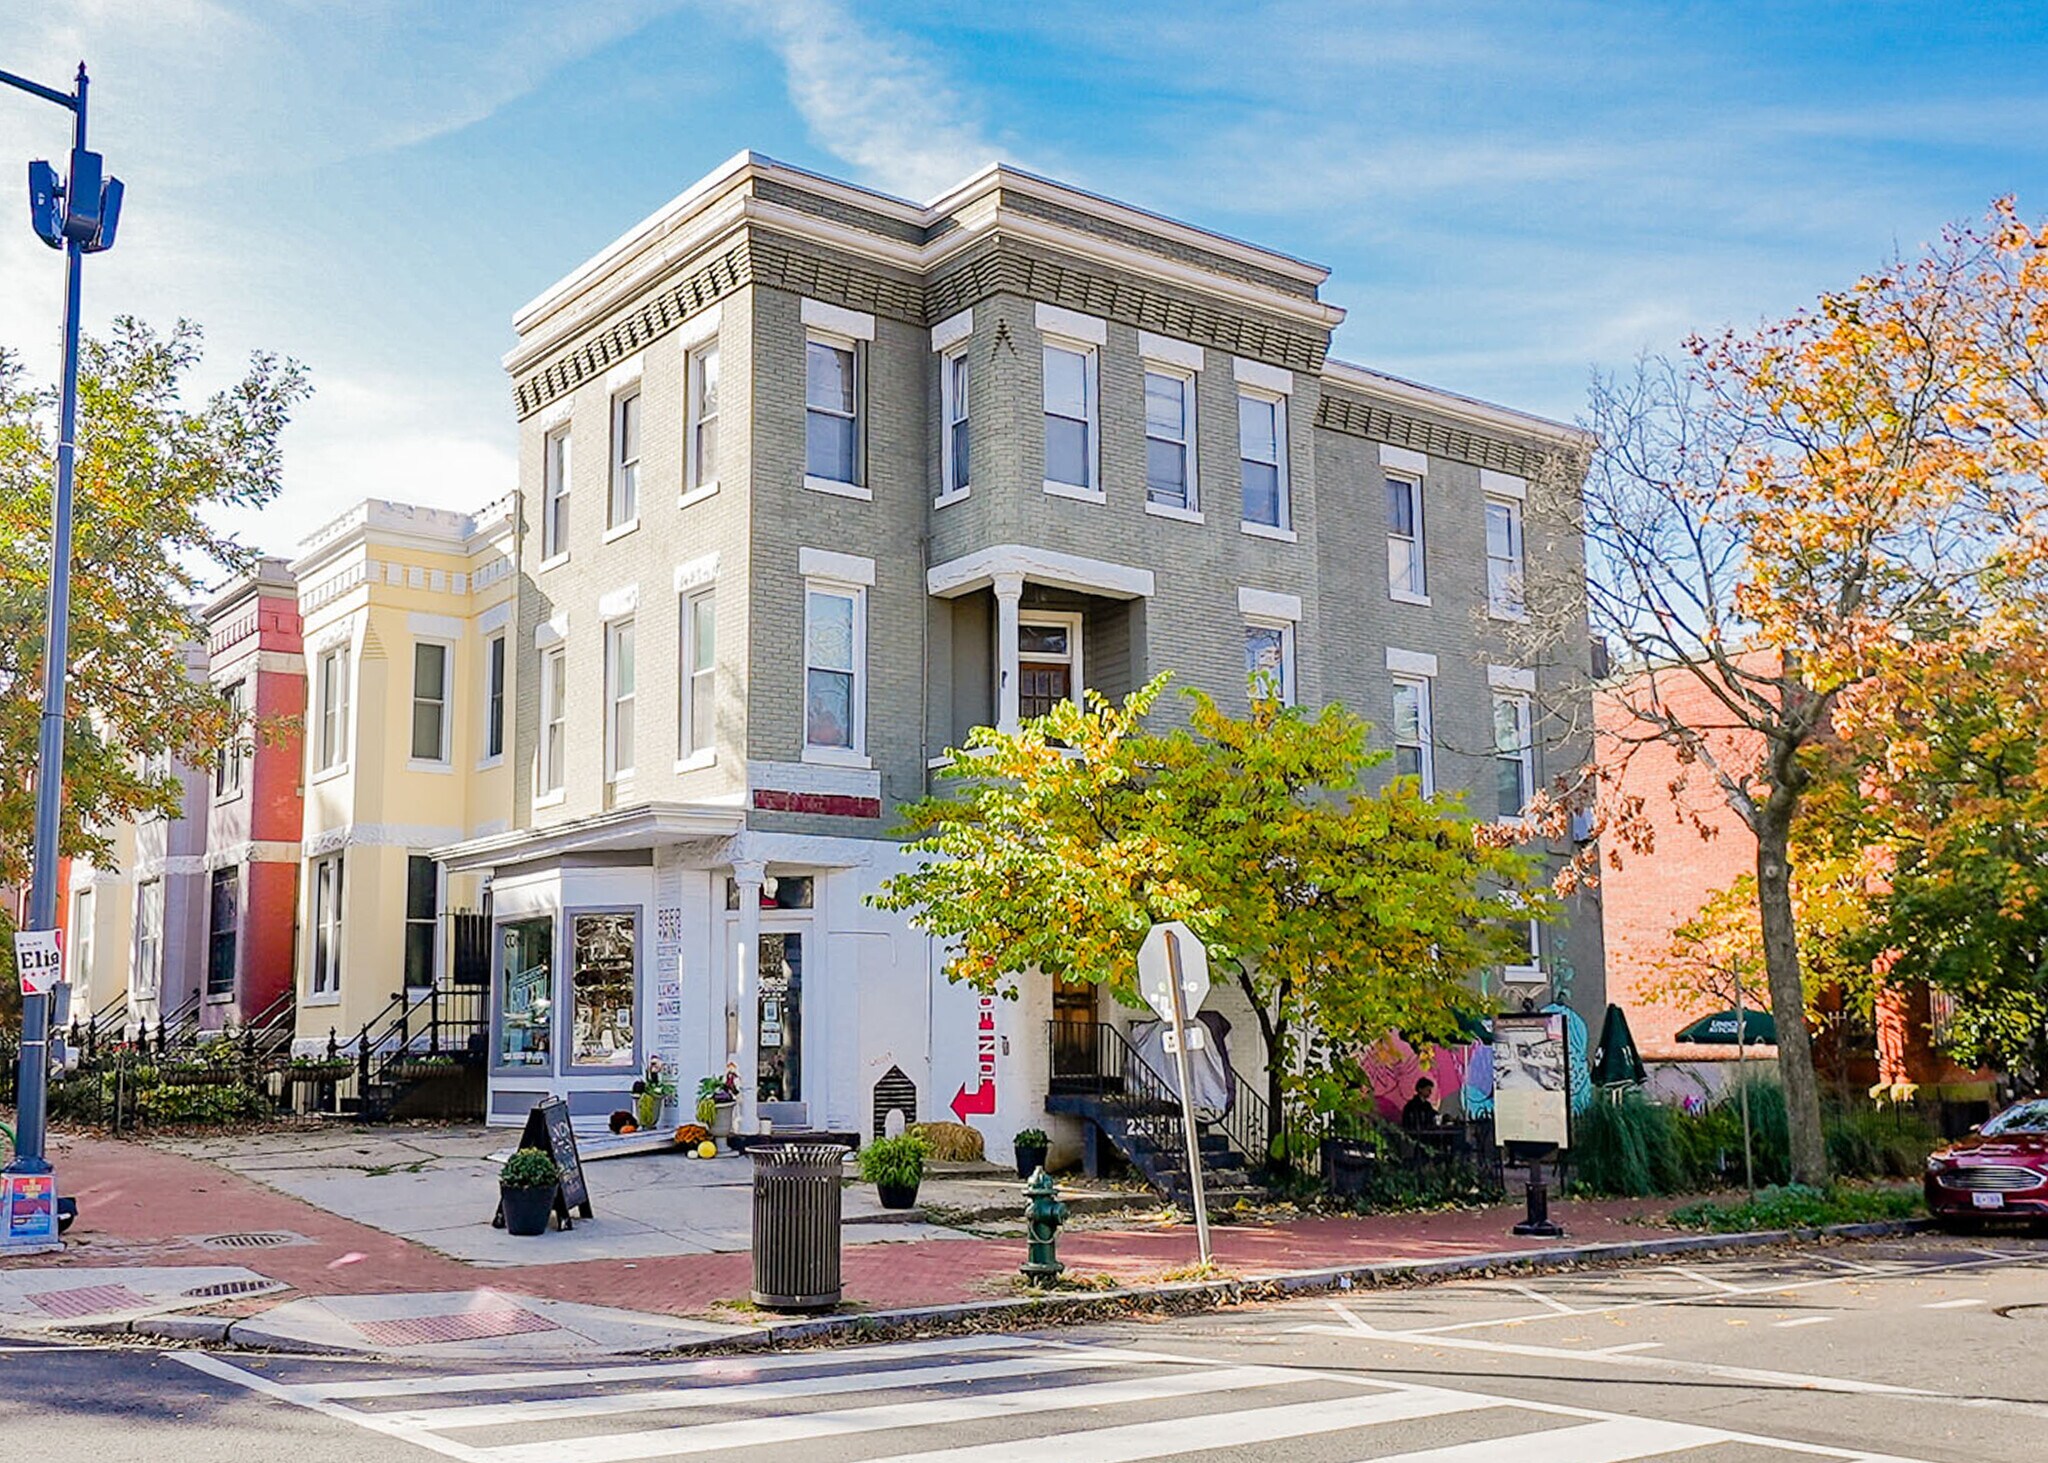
[82, 196]
[110, 217]
[46, 204]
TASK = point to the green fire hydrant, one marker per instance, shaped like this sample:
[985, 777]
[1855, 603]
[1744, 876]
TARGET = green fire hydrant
[1043, 1216]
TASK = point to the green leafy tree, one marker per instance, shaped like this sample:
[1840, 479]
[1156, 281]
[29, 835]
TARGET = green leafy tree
[150, 473]
[1331, 908]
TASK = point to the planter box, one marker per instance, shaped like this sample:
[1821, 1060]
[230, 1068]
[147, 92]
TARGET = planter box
[207, 1077]
[320, 1074]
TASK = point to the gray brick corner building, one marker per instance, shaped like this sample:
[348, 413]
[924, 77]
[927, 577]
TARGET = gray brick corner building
[814, 480]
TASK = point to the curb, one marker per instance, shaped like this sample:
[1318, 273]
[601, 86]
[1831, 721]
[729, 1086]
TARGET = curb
[1024, 1312]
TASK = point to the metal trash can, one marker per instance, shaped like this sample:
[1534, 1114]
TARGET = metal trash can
[796, 1225]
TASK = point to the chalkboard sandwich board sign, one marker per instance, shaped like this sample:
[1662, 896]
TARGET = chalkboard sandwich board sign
[548, 1127]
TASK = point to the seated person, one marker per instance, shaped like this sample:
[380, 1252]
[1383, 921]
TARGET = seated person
[1420, 1115]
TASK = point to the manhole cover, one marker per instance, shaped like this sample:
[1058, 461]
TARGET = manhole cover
[254, 1239]
[231, 1287]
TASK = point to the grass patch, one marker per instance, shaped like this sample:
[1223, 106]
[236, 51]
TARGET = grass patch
[1208, 1271]
[1796, 1206]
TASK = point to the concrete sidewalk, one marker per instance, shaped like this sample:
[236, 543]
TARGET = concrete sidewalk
[340, 1284]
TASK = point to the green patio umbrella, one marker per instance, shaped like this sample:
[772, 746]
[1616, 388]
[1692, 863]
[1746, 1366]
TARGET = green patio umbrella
[1617, 1063]
[1759, 1028]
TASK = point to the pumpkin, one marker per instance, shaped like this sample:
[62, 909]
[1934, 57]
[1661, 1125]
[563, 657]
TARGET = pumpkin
[691, 1134]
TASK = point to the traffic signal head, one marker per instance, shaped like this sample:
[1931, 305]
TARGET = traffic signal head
[110, 217]
[82, 196]
[46, 204]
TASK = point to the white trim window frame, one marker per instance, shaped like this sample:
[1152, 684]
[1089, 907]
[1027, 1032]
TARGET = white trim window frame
[835, 672]
[231, 764]
[148, 975]
[833, 388]
[1262, 457]
[1530, 971]
[956, 380]
[1265, 639]
[697, 717]
[1071, 399]
[331, 676]
[324, 970]
[1170, 440]
[701, 373]
[1505, 562]
[1069, 624]
[622, 502]
[553, 750]
[555, 484]
[497, 670]
[441, 704]
[1514, 754]
[621, 677]
[1407, 539]
[1414, 733]
[78, 958]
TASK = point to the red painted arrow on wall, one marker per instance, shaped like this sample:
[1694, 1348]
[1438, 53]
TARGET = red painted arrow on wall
[979, 1103]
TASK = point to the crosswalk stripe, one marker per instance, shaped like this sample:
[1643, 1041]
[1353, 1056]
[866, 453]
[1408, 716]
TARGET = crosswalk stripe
[716, 1369]
[1616, 1440]
[757, 1431]
[1133, 1442]
[666, 1399]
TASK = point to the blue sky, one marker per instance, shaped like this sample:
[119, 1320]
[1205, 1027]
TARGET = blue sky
[1510, 195]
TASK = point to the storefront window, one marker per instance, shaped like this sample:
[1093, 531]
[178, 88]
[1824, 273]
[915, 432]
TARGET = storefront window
[526, 1004]
[778, 891]
[601, 990]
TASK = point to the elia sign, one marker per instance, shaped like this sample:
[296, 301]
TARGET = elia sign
[39, 957]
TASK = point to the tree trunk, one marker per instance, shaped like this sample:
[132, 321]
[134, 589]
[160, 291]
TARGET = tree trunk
[1788, 990]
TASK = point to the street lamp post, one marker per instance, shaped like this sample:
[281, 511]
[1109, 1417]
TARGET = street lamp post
[78, 216]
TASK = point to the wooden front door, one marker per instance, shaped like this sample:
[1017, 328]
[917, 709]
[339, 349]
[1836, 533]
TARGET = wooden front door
[1074, 1035]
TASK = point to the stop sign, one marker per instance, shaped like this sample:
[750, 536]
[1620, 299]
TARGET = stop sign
[1155, 969]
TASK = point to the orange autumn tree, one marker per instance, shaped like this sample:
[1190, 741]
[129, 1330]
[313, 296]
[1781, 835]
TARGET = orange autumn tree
[1780, 515]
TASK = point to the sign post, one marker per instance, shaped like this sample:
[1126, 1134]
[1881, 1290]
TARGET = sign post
[1173, 976]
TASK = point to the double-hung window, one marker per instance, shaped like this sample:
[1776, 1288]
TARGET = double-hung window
[835, 655]
[699, 640]
[331, 741]
[953, 400]
[1262, 457]
[554, 718]
[1413, 756]
[1504, 558]
[231, 766]
[703, 418]
[494, 698]
[326, 971]
[1269, 659]
[429, 701]
[1406, 577]
[1170, 439]
[554, 506]
[149, 939]
[223, 917]
[422, 913]
[80, 955]
[623, 507]
[1070, 404]
[618, 678]
[1514, 754]
[832, 410]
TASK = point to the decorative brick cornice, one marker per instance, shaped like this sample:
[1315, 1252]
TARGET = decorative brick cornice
[1339, 411]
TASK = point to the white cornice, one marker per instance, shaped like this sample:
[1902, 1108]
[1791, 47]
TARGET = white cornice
[641, 826]
[1451, 404]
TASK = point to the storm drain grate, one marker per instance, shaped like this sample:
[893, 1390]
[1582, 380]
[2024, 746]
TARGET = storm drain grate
[253, 1239]
[222, 1288]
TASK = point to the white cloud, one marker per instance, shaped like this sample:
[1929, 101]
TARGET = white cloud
[873, 99]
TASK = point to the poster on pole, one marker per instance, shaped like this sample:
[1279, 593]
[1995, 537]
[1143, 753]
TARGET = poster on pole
[28, 1209]
[39, 957]
[1532, 1080]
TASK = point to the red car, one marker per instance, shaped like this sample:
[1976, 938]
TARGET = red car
[1999, 1168]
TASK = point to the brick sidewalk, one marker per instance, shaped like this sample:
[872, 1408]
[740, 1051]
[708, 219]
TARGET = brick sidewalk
[139, 1205]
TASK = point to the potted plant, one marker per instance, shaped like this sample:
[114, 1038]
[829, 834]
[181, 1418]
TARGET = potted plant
[1031, 1146]
[895, 1166]
[715, 1099]
[526, 1190]
[655, 1096]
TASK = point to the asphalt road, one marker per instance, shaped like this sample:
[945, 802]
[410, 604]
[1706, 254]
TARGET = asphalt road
[1933, 1350]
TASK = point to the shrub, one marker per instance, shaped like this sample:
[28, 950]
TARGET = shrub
[897, 1162]
[1628, 1146]
[1795, 1206]
[530, 1168]
[1031, 1138]
[1870, 1142]
[949, 1142]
